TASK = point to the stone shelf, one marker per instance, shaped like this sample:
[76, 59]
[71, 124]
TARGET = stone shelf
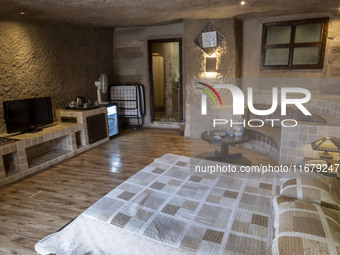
[46, 157]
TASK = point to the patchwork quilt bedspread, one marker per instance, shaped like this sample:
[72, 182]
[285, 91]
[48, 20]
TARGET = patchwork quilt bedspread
[193, 213]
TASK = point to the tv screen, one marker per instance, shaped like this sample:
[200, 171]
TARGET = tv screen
[27, 114]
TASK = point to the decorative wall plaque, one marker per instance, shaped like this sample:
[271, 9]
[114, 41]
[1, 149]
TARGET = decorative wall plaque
[209, 39]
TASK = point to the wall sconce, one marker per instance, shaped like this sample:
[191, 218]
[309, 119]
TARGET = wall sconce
[326, 145]
[210, 64]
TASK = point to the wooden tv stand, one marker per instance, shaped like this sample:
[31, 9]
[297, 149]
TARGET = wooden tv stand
[34, 152]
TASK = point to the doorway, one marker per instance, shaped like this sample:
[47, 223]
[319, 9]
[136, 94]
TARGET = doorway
[165, 75]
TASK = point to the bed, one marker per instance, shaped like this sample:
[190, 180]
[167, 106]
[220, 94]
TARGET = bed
[167, 209]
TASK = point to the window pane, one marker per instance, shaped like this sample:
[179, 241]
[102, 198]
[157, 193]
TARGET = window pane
[308, 33]
[277, 56]
[306, 55]
[278, 34]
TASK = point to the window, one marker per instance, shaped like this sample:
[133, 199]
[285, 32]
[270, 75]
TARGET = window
[297, 44]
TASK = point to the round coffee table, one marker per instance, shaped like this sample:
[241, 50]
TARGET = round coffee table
[225, 142]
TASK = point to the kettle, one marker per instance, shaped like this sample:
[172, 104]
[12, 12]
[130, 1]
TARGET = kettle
[80, 100]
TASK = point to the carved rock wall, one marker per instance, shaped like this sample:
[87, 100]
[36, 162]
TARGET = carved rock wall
[57, 60]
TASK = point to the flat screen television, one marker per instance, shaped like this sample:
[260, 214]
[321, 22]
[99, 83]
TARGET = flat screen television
[27, 115]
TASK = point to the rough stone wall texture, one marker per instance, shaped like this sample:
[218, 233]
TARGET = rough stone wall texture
[131, 54]
[194, 56]
[227, 55]
[57, 60]
[334, 48]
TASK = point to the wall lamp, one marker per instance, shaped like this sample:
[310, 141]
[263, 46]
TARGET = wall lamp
[210, 63]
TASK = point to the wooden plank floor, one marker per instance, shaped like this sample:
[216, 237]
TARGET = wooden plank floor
[42, 204]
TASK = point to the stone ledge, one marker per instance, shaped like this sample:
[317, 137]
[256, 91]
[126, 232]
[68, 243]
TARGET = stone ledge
[60, 136]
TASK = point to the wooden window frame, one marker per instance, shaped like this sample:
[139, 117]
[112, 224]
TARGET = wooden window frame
[291, 45]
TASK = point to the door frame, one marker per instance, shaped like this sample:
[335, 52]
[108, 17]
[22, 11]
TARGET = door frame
[152, 103]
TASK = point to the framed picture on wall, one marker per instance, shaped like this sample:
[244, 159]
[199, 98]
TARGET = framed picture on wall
[209, 39]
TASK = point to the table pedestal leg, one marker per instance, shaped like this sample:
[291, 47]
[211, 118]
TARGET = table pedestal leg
[225, 152]
[223, 155]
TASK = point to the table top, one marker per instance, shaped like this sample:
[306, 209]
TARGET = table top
[225, 139]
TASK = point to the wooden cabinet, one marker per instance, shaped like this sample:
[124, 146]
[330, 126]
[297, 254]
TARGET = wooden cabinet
[96, 127]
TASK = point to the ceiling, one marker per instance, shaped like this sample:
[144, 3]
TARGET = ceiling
[114, 13]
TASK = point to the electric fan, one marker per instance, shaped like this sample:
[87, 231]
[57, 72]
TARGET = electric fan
[101, 85]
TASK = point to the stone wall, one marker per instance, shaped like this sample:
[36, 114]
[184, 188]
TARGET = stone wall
[334, 49]
[238, 59]
[57, 60]
[228, 68]
[226, 53]
[131, 54]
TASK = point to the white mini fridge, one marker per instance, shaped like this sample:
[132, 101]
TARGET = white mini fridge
[112, 118]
